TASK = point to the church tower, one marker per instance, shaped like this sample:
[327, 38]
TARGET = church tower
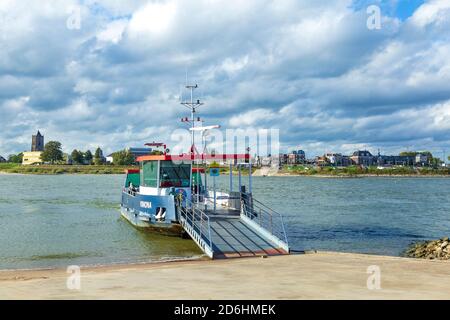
[37, 142]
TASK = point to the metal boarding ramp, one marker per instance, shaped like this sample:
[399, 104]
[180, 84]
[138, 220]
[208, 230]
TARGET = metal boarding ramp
[252, 230]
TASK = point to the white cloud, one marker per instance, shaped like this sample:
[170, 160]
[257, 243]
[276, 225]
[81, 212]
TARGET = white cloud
[154, 18]
[16, 104]
[79, 110]
[113, 31]
[251, 118]
[310, 68]
[432, 12]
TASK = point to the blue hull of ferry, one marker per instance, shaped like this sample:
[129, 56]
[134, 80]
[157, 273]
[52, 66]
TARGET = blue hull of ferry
[141, 210]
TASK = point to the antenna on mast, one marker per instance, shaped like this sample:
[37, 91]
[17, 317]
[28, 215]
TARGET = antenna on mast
[192, 105]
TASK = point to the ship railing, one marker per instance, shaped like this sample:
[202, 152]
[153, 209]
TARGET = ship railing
[223, 191]
[219, 190]
[224, 197]
[268, 220]
[197, 224]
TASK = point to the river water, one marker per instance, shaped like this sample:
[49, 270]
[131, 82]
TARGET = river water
[55, 221]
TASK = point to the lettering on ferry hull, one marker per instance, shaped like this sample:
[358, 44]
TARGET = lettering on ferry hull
[145, 204]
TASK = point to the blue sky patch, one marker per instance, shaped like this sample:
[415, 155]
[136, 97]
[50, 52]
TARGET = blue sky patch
[401, 9]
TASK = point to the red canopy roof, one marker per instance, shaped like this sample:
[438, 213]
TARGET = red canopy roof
[193, 157]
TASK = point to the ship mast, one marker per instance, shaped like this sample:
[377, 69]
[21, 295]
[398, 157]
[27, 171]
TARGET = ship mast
[192, 105]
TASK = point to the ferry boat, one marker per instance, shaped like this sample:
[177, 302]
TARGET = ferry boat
[171, 194]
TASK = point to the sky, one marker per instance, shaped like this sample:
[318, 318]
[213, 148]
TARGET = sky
[110, 73]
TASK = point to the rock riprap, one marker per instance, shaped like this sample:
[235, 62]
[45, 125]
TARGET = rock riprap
[435, 249]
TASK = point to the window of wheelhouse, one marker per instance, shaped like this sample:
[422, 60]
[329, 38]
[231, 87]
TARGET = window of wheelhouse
[175, 175]
[149, 174]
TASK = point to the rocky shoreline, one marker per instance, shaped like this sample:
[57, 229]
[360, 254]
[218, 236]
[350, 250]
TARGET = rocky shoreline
[434, 249]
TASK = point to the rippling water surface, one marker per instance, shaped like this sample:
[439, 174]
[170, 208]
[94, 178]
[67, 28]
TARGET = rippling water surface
[48, 221]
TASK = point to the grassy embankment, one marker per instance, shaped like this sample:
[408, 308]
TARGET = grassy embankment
[355, 171]
[61, 169]
[79, 169]
[286, 170]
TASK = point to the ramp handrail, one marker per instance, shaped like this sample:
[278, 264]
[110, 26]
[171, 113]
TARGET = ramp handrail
[265, 217]
[197, 224]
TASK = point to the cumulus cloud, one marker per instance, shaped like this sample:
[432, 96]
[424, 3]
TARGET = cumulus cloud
[309, 68]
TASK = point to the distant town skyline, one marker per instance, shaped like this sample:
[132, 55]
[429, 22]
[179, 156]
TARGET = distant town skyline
[37, 143]
[109, 73]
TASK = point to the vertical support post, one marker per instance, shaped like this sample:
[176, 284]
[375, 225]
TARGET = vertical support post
[206, 190]
[197, 175]
[191, 177]
[192, 119]
[240, 178]
[231, 177]
[158, 168]
[250, 180]
[201, 226]
[215, 198]
[209, 234]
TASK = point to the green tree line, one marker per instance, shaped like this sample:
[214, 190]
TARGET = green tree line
[53, 154]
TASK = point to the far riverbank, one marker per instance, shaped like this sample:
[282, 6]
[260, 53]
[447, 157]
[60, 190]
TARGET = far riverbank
[353, 172]
[362, 175]
[62, 169]
[327, 172]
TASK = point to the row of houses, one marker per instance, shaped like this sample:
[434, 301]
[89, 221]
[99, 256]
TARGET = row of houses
[366, 159]
[293, 158]
[360, 157]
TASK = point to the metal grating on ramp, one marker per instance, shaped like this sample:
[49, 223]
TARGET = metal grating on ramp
[253, 231]
[231, 237]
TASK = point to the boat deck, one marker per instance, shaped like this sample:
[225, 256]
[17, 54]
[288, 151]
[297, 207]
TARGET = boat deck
[232, 238]
[222, 212]
[232, 233]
